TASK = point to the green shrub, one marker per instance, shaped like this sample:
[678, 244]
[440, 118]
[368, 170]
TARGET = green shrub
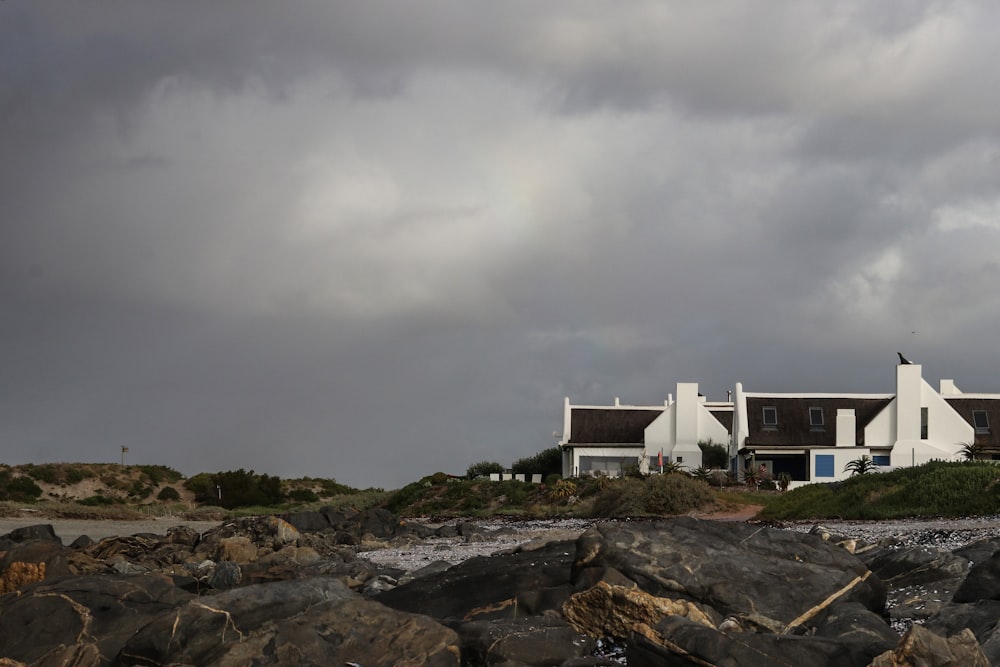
[657, 495]
[19, 489]
[303, 496]
[168, 493]
[74, 476]
[406, 496]
[243, 488]
[483, 469]
[546, 462]
[156, 475]
[98, 501]
[139, 490]
[714, 455]
[330, 487]
[48, 473]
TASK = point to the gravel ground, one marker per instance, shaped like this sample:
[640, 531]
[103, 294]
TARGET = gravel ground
[498, 536]
[949, 534]
[495, 536]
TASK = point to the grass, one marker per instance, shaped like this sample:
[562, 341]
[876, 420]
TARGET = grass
[935, 489]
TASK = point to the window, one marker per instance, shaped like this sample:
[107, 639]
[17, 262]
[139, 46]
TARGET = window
[770, 417]
[923, 423]
[981, 421]
[680, 459]
[880, 460]
[824, 465]
[816, 419]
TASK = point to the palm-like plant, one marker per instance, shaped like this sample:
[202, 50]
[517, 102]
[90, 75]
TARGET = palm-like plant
[701, 473]
[971, 451]
[672, 467]
[860, 466]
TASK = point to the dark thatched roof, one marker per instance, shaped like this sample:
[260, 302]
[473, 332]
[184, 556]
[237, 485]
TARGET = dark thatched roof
[724, 417]
[966, 406]
[615, 426]
[793, 428]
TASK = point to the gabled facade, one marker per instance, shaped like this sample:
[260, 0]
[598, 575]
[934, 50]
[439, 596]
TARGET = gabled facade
[609, 439]
[811, 437]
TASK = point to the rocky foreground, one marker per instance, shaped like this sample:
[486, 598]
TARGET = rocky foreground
[342, 587]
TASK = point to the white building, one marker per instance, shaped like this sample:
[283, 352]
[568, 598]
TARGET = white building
[610, 439]
[811, 437]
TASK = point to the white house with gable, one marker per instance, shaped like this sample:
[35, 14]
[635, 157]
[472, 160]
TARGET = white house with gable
[608, 439]
[812, 436]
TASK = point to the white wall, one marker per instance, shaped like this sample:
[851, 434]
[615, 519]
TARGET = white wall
[684, 423]
[660, 434]
[881, 431]
[841, 457]
[741, 429]
[946, 429]
[846, 428]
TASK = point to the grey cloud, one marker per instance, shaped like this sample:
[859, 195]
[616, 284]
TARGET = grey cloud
[374, 241]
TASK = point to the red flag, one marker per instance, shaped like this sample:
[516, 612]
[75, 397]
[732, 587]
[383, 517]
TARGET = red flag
[659, 459]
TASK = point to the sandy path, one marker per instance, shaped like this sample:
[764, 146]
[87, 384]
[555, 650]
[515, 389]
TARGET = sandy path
[70, 529]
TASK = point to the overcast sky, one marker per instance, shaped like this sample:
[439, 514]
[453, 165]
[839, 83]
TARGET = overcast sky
[374, 240]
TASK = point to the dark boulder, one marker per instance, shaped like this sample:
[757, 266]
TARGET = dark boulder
[769, 579]
[541, 641]
[982, 582]
[42, 531]
[979, 551]
[851, 622]
[921, 579]
[184, 535]
[227, 575]
[34, 560]
[75, 615]
[492, 587]
[982, 618]
[920, 646]
[308, 622]
[307, 522]
[908, 566]
[81, 542]
[678, 641]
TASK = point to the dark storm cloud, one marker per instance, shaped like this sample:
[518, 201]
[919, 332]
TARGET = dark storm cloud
[376, 240]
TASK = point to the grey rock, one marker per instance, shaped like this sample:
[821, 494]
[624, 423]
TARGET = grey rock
[678, 641]
[541, 641]
[765, 577]
[227, 575]
[67, 615]
[308, 622]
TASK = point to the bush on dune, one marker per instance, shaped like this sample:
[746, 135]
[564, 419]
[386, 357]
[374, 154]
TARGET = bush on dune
[656, 495]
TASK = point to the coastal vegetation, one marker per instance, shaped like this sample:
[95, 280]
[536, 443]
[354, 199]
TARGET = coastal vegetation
[935, 489]
[111, 491]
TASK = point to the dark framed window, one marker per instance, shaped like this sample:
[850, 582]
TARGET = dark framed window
[816, 419]
[981, 420]
[770, 416]
[923, 423]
